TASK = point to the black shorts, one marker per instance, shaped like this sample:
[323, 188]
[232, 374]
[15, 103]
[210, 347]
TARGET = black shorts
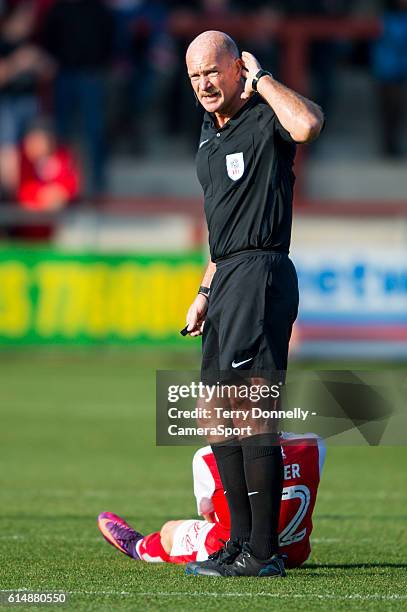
[252, 307]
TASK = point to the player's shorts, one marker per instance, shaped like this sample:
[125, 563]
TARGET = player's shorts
[195, 540]
[252, 307]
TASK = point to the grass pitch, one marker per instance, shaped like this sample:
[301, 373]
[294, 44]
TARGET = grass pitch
[77, 437]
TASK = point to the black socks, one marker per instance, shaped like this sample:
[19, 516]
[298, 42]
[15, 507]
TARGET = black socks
[264, 472]
[252, 476]
[229, 459]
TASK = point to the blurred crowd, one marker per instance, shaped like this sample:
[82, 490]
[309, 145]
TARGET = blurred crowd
[79, 77]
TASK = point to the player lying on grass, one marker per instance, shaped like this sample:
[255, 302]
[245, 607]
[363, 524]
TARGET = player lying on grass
[191, 540]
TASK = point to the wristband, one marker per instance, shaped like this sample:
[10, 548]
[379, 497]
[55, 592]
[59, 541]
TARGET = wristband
[261, 73]
[204, 291]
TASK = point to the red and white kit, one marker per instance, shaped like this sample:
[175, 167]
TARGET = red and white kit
[303, 457]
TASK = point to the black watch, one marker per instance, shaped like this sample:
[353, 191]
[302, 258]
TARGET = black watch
[204, 291]
[261, 73]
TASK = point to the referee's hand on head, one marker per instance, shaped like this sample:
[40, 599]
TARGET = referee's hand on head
[196, 315]
[250, 68]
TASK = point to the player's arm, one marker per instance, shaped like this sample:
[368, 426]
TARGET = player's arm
[204, 485]
[302, 118]
[197, 311]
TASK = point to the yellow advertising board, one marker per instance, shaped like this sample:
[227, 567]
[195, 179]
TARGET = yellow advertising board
[52, 297]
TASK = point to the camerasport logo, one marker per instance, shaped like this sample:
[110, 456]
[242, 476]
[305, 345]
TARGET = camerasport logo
[235, 166]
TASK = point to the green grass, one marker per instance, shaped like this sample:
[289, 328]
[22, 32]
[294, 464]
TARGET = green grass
[77, 437]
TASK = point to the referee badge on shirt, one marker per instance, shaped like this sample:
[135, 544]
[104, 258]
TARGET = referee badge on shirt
[235, 166]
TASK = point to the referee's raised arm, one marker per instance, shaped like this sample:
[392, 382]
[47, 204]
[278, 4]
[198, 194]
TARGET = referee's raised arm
[302, 118]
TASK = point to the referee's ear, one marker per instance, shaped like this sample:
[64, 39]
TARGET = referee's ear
[240, 66]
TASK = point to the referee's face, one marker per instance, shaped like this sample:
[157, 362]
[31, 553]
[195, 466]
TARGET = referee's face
[215, 78]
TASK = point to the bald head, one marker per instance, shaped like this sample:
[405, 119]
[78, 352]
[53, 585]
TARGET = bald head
[218, 42]
[215, 71]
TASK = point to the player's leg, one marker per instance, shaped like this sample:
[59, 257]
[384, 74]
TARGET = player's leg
[178, 541]
[119, 534]
[192, 541]
[167, 534]
[157, 546]
[153, 548]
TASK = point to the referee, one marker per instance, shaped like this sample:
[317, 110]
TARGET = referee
[248, 299]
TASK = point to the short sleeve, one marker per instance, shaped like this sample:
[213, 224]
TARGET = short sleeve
[204, 482]
[269, 121]
[281, 131]
[286, 135]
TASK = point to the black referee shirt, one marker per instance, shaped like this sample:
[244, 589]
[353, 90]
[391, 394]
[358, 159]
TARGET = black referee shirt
[245, 169]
